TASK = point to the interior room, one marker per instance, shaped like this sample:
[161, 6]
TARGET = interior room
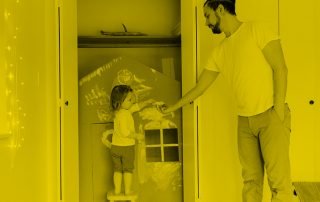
[59, 61]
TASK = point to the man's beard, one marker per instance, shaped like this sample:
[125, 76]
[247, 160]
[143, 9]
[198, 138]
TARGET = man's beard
[216, 28]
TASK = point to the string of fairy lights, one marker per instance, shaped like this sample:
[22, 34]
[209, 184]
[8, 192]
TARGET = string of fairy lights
[13, 61]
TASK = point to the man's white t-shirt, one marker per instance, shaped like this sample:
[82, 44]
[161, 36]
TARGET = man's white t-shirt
[124, 126]
[240, 59]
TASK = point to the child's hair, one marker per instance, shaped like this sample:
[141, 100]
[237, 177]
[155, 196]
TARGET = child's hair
[118, 95]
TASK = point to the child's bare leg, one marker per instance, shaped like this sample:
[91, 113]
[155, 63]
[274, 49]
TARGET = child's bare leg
[127, 182]
[117, 180]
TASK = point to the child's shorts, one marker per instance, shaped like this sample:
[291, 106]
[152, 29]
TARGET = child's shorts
[123, 158]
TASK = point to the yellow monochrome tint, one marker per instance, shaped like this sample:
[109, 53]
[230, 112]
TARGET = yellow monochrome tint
[59, 61]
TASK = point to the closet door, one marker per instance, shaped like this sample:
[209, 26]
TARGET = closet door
[29, 111]
[317, 89]
[299, 30]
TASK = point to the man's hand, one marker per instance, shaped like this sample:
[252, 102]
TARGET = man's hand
[165, 109]
[279, 109]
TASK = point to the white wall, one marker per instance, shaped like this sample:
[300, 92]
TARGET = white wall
[29, 157]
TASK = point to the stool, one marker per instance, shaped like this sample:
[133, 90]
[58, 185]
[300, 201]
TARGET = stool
[121, 197]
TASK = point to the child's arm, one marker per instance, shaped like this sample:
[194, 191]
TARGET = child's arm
[106, 139]
[138, 106]
[137, 136]
[128, 134]
[145, 103]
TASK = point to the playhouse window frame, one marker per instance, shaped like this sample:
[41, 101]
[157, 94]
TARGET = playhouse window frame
[164, 146]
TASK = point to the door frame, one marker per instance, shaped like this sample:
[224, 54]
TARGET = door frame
[68, 73]
[189, 112]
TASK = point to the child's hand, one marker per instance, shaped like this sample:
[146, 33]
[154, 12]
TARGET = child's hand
[105, 138]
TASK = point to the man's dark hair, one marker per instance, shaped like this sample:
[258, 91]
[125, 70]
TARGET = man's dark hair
[229, 5]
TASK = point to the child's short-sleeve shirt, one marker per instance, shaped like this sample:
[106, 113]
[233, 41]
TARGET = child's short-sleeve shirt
[124, 127]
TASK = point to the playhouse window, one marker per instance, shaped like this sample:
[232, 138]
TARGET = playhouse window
[162, 145]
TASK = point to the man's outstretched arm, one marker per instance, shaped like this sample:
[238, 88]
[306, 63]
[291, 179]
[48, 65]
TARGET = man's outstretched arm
[207, 77]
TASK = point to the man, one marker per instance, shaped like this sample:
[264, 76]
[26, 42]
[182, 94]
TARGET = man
[251, 59]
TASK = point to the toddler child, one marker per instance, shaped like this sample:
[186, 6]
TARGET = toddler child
[123, 103]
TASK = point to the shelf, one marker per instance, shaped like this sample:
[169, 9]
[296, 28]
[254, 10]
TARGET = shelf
[128, 41]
